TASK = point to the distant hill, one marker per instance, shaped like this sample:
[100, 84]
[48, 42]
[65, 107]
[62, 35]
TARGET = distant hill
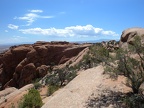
[4, 48]
[93, 41]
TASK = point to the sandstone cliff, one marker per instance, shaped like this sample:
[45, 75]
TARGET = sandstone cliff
[21, 64]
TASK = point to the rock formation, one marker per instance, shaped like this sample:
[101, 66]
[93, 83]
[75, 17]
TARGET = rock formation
[128, 35]
[21, 64]
[110, 45]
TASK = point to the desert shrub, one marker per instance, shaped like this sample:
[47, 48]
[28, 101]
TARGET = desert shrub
[52, 79]
[31, 100]
[62, 73]
[71, 74]
[60, 77]
[37, 85]
[134, 101]
[52, 89]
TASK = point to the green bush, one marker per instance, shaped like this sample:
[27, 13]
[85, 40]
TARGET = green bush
[52, 89]
[37, 85]
[134, 101]
[32, 100]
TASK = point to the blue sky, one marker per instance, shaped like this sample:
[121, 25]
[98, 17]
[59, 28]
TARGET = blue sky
[67, 20]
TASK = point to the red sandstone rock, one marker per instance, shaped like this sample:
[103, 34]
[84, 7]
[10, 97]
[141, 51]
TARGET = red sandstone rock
[22, 64]
[42, 70]
[27, 74]
[128, 36]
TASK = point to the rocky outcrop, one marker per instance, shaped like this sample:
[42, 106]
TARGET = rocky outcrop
[128, 35]
[110, 45]
[21, 64]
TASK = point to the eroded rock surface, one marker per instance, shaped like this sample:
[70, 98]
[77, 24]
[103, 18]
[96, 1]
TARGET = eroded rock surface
[21, 64]
[128, 35]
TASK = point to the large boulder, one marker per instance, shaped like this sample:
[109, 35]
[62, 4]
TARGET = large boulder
[42, 70]
[128, 35]
[27, 74]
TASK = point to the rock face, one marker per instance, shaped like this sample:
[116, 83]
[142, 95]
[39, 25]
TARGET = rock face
[128, 35]
[21, 64]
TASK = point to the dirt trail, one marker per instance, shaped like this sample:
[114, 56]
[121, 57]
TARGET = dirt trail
[77, 92]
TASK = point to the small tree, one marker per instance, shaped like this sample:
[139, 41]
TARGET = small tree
[130, 63]
[62, 76]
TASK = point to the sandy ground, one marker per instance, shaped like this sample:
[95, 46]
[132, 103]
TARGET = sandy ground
[77, 92]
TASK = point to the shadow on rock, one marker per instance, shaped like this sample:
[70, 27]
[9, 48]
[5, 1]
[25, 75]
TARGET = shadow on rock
[108, 99]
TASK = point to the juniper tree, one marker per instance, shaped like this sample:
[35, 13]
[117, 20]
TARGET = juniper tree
[130, 63]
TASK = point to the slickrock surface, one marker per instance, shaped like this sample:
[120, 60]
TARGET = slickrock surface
[78, 91]
[14, 97]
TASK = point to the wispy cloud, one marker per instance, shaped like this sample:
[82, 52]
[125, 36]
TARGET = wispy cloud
[62, 13]
[72, 31]
[12, 26]
[36, 11]
[32, 16]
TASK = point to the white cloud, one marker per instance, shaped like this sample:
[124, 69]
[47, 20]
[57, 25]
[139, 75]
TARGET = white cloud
[32, 16]
[36, 11]
[14, 27]
[108, 33]
[72, 31]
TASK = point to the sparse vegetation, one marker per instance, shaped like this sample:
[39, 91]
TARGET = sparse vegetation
[52, 89]
[59, 78]
[97, 54]
[127, 62]
[130, 63]
[37, 85]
